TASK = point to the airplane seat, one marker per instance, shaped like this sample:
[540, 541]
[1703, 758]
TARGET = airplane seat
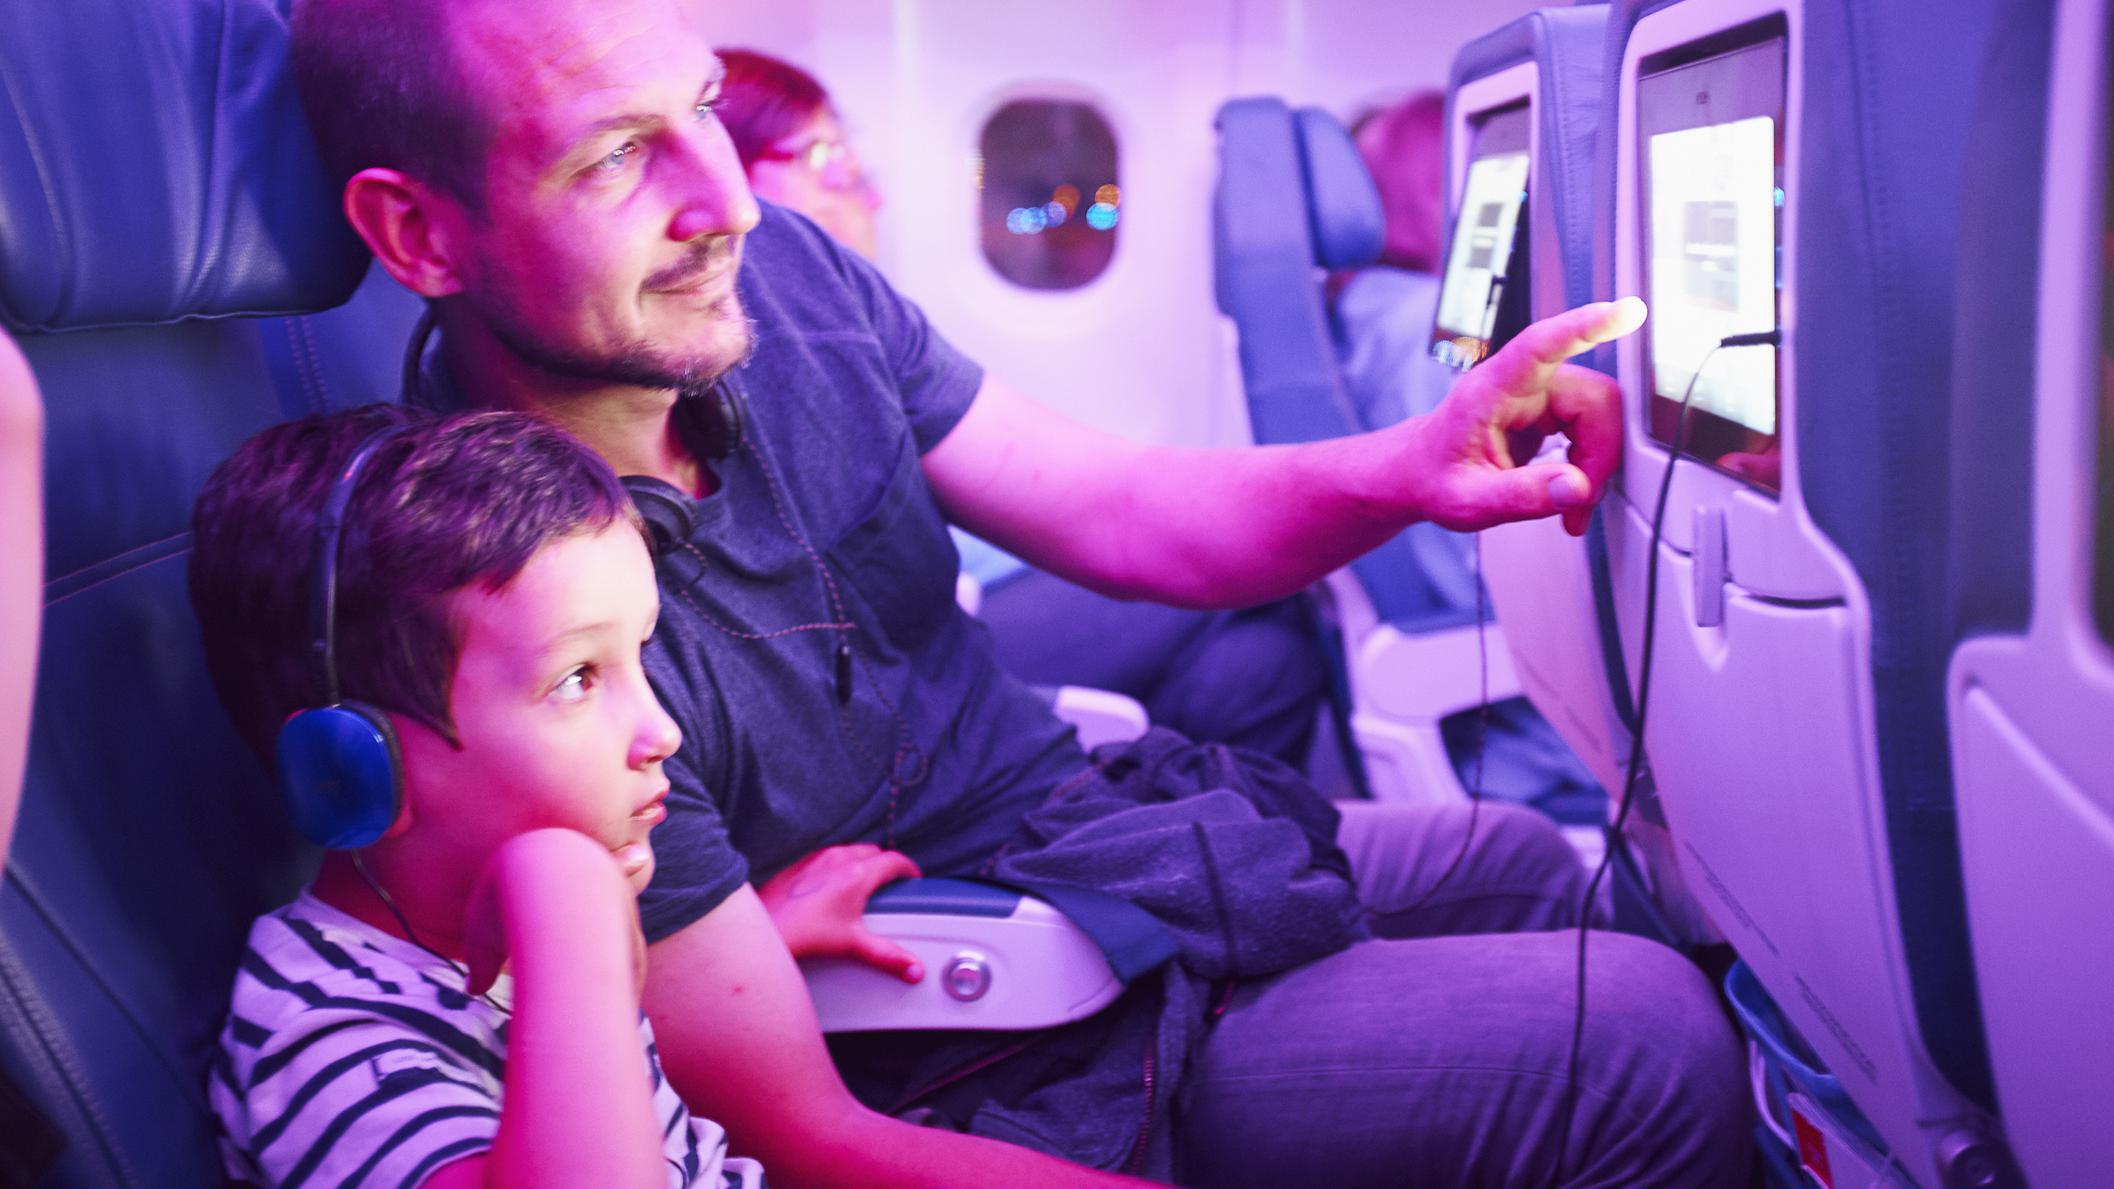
[349, 355]
[1292, 199]
[2030, 592]
[1797, 733]
[176, 268]
[1552, 591]
[1564, 46]
[156, 187]
[1549, 590]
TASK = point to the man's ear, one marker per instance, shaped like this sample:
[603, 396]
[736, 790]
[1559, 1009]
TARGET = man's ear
[406, 224]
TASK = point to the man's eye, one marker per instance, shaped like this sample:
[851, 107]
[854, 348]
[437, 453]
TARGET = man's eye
[707, 108]
[617, 157]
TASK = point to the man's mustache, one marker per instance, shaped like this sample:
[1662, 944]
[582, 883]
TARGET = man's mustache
[705, 257]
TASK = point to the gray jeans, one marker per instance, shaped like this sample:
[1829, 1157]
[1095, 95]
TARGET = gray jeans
[1437, 1056]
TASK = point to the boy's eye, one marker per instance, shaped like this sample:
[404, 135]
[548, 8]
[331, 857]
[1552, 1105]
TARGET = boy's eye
[707, 103]
[574, 685]
[616, 157]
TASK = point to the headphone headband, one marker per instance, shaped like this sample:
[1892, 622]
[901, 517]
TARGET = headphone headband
[330, 532]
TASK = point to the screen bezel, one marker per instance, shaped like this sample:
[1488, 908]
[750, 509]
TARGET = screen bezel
[1497, 132]
[2102, 506]
[1709, 436]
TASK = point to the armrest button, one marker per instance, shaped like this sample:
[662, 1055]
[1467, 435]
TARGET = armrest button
[966, 977]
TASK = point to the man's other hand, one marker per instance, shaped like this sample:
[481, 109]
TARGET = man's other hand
[819, 903]
[1472, 460]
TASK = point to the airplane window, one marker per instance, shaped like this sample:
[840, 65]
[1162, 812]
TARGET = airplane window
[1052, 203]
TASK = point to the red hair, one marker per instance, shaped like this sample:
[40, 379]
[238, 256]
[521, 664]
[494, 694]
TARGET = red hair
[763, 100]
[1404, 146]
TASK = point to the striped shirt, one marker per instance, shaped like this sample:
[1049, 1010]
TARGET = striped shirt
[352, 1057]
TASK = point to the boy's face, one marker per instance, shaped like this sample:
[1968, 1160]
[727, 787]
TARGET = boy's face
[557, 724]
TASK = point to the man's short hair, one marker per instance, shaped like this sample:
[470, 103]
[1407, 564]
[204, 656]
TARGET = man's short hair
[383, 89]
[449, 502]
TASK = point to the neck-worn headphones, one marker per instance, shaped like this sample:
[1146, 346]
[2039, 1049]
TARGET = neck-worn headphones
[338, 762]
[710, 417]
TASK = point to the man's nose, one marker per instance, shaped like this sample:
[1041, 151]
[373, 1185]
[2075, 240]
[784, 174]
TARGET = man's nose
[712, 196]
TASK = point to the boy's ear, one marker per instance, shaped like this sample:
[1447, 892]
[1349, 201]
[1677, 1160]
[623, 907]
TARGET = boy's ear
[406, 224]
[417, 746]
[403, 816]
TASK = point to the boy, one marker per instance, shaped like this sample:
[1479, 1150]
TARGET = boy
[486, 600]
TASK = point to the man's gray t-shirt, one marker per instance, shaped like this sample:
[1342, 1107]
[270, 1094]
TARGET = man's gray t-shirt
[937, 752]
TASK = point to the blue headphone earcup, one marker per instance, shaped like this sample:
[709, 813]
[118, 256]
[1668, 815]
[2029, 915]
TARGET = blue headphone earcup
[339, 769]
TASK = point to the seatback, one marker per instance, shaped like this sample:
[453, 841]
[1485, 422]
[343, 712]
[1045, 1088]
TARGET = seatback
[156, 184]
[2031, 599]
[1797, 731]
[1563, 46]
[1294, 200]
[1550, 590]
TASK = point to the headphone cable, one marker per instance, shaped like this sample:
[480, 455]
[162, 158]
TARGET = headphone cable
[411, 935]
[1633, 768]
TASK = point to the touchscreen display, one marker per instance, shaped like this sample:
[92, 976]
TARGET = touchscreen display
[1711, 131]
[1480, 255]
[1713, 265]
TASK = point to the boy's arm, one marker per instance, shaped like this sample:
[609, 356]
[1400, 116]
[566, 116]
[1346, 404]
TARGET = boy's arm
[738, 1039]
[579, 1100]
[22, 572]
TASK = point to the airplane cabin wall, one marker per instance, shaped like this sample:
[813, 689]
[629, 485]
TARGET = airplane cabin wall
[1141, 349]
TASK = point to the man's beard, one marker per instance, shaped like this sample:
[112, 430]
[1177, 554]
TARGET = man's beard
[638, 363]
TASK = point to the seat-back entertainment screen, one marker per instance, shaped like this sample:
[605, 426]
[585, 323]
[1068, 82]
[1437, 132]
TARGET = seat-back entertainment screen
[1711, 128]
[1480, 257]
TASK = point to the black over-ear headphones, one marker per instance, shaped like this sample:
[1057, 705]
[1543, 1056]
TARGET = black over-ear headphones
[666, 511]
[338, 763]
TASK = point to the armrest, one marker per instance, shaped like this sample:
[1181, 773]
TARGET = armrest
[994, 960]
[1099, 715]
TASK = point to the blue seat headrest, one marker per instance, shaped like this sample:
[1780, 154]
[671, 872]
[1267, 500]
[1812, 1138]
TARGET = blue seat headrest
[155, 166]
[1343, 204]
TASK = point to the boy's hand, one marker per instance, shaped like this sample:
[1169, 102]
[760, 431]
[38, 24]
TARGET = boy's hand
[551, 883]
[818, 904]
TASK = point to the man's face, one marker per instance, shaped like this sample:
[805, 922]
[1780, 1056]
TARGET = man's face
[556, 724]
[614, 203]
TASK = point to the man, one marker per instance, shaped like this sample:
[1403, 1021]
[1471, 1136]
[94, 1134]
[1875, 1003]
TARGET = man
[550, 174]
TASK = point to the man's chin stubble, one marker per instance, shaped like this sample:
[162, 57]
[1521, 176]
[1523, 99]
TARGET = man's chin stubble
[638, 364]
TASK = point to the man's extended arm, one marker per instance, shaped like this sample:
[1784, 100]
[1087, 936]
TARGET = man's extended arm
[1223, 528]
[738, 1038]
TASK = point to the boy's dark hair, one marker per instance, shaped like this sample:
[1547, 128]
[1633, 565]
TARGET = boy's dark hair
[382, 88]
[451, 501]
